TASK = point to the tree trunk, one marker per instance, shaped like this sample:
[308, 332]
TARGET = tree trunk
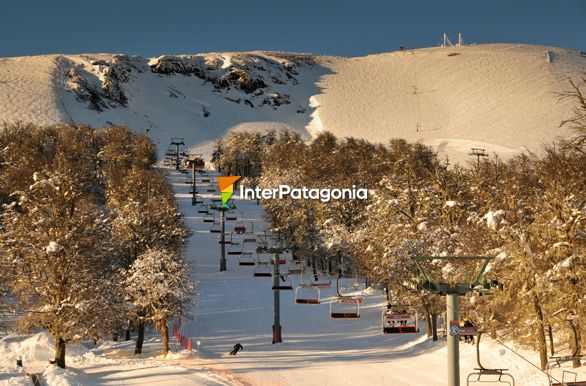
[127, 335]
[575, 343]
[140, 337]
[164, 337]
[493, 329]
[550, 337]
[428, 320]
[542, 346]
[434, 326]
[60, 352]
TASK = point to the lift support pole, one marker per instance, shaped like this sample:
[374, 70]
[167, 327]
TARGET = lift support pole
[277, 338]
[453, 341]
[452, 291]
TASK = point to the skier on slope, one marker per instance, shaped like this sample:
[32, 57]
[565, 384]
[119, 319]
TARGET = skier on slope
[237, 347]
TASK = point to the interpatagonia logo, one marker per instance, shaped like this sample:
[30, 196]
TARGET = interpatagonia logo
[305, 193]
[226, 186]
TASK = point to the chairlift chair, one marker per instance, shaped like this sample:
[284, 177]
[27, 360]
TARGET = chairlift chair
[227, 238]
[210, 189]
[282, 260]
[216, 228]
[483, 375]
[240, 228]
[287, 254]
[230, 216]
[262, 269]
[468, 331]
[296, 266]
[307, 295]
[345, 308]
[400, 320]
[203, 209]
[196, 200]
[205, 179]
[235, 247]
[246, 259]
[284, 283]
[568, 378]
[315, 279]
[209, 217]
[351, 287]
[344, 297]
[249, 238]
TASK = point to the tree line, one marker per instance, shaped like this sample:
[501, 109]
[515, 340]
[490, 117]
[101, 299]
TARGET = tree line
[90, 234]
[528, 213]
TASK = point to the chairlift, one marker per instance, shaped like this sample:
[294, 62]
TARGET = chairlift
[209, 217]
[491, 375]
[262, 269]
[235, 247]
[240, 228]
[316, 280]
[351, 287]
[231, 216]
[400, 320]
[307, 295]
[205, 180]
[198, 163]
[284, 283]
[296, 266]
[345, 297]
[345, 308]
[203, 209]
[341, 310]
[196, 201]
[569, 378]
[282, 260]
[210, 189]
[246, 259]
[216, 228]
[249, 236]
[227, 240]
[287, 254]
[468, 331]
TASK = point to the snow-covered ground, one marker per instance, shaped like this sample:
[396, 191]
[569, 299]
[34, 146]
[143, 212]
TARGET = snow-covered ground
[233, 307]
[501, 97]
[107, 363]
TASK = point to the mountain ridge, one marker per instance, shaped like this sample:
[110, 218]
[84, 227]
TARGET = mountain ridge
[501, 97]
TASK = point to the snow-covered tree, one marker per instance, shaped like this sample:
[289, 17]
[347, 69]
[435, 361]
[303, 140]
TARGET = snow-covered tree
[55, 242]
[160, 287]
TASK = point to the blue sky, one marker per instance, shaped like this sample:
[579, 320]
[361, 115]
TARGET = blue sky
[336, 27]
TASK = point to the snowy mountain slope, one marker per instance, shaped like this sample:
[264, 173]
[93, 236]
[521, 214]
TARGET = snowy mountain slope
[500, 97]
